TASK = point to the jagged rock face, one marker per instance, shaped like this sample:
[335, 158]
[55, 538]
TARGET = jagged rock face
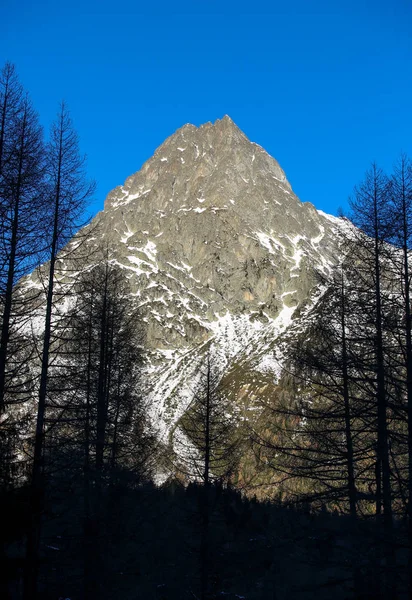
[218, 250]
[209, 225]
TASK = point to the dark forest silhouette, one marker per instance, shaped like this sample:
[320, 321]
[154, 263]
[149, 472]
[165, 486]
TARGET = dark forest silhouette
[81, 516]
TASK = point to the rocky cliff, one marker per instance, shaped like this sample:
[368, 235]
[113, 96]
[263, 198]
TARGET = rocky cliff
[218, 250]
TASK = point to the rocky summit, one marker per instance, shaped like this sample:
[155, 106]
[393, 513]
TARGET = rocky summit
[220, 253]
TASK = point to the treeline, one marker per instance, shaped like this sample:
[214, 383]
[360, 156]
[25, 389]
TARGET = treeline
[42, 194]
[74, 432]
[342, 437]
[71, 412]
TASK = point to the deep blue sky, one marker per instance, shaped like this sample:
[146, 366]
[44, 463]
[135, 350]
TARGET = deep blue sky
[323, 86]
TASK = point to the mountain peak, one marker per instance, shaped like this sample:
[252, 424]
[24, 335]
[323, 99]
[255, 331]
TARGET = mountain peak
[226, 122]
[224, 125]
[217, 250]
[229, 128]
[215, 156]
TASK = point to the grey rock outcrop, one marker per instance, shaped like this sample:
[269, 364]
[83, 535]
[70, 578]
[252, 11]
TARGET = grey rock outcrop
[210, 224]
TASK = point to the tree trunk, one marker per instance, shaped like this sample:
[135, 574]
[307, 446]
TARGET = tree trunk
[33, 537]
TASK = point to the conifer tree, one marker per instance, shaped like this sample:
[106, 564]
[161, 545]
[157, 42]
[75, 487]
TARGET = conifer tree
[401, 207]
[66, 193]
[370, 213]
[207, 444]
[22, 207]
[106, 440]
[22, 212]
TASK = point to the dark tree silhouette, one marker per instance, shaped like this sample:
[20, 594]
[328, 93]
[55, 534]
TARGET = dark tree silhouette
[22, 207]
[67, 191]
[401, 207]
[207, 444]
[22, 212]
[369, 207]
[99, 387]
